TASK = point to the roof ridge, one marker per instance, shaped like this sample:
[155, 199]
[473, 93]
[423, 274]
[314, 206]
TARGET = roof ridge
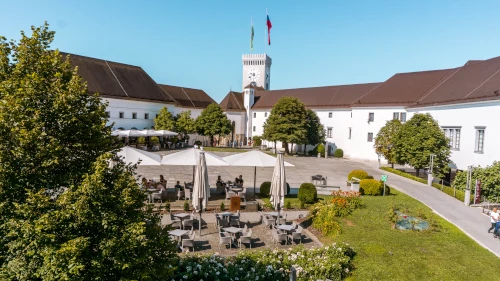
[482, 83]
[98, 59]
[232, 93]
[112, 72]
[367, 92]
[187, 96]
[168, 94]
[333, 95]
[439, 85]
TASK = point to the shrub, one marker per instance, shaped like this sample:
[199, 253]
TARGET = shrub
[307, 193]
[186, 206]
[387, 188]
[155, 140]
[222, 206]
[339, 153]
[370, 187]
[257, 141]
[321, 149]
[370, 177]
[141, 140]
[265, 188]
[360, 174]
[288, 205]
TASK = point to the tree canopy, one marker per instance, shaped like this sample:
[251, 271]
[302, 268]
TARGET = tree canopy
[384, 141]
[212, 122]
[287, 122]
[165, 120]
[489, 177]
[185, 123]
[315, 130]
[417, 139]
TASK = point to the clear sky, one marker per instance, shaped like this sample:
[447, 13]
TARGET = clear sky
[199, 44]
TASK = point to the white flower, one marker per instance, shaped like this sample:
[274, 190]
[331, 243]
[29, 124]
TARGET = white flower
[257, 277]
[195, 272]
[185, 277]
[217, 273]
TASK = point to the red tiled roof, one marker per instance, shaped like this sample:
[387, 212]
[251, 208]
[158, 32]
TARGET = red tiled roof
[318, 97]
[188, 97]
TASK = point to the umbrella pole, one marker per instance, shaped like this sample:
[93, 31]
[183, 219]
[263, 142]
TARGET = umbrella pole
[193, 173]
[254, 179]
[199, 223]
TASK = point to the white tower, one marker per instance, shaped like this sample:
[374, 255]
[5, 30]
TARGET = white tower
[257, 68]
[248, 101]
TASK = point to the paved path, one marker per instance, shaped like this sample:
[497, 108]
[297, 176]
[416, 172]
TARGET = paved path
[469, 220]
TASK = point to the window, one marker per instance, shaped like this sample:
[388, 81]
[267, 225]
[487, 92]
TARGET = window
[350, 130]
[370, 137]
[395, 116]
[254, 114]
[121, 115]
[265, 114]
[351, 114]
[134, 115]
[253, 128]
[371, 117]
[146, 115]
[402, 117]
[330, 115]
[329, 133]
[453, 134]
[479, 147]
[108, 114]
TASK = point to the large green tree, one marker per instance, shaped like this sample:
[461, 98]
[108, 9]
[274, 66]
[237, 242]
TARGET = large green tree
[417, 139]
[165, 120]
[315, 130]
[489, 177]
[287, 122]
[384, 141]
[96, 230]
[213, 122]
[185, 123]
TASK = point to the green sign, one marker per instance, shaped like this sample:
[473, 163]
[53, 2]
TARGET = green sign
[384, 178]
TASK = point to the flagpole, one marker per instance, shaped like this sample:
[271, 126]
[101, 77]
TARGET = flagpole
[251, 35]
[265, 34]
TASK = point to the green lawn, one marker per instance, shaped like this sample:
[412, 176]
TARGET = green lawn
[384, 253]
[294, 201]
[224, 149]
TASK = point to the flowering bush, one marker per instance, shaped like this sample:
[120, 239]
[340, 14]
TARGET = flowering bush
[331, 262]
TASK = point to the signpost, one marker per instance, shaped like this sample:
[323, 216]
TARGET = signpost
[384, 179]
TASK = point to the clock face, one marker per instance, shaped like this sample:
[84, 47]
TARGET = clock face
[253, 74]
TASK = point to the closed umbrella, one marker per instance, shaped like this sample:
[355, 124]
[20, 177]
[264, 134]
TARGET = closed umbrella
[201, 188]
[278, 184]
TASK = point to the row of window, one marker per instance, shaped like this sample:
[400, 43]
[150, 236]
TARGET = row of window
[121, 115]
[254, 62]
[255, 114]
[371, 116]
[453, 134]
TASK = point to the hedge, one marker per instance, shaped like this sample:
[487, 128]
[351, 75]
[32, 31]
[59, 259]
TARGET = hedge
[459, 194]
[360, 174]
[265, 188]
[307, 193]
[371, 187]
[339, 153]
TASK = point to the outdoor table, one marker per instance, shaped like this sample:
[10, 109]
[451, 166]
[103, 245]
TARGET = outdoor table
[286, 227]
[225, 214]
[182, 216]
[233, 231]
[274, 214]
[236, 189]
[178, 233]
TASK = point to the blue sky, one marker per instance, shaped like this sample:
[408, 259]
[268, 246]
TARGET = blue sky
[199, 44]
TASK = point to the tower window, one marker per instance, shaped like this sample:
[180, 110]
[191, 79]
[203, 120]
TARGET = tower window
[254, 114]
[134, 115]
[350, 131]
[329, 133]
[265, 114]
[371, 117]
[253, 128]
[330, 115]
[370, 137]
[146, 115]
[121, 115]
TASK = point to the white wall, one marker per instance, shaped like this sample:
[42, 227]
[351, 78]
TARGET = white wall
[467, 117]
[339, 123]
[195, 112]
[239, 121]
[116, 106]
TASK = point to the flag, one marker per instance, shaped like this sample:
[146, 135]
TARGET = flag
[269, 25]
[251, 36]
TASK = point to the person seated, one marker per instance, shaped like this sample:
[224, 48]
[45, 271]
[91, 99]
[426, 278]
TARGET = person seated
[179, 186]
[219, 181]
[161, 188]
[144, 183]
[239, 180]
[163, 181]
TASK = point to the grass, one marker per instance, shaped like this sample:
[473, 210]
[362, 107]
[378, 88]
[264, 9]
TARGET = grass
[294, 201]
[224, 149]
[384, 253]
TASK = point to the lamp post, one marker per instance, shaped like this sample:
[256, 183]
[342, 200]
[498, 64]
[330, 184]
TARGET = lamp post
[430, 175]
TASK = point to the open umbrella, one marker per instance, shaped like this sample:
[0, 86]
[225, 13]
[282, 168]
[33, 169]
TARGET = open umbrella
[129, 133]
[132, 155]
[190, 157]
[151, 133]
[278, 185]
[167, 133]
[201, 188]
[254, 159]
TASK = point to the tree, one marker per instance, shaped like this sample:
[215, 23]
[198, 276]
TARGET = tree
[212, 121]
[384, 141]
[96, 230]
[185, 123]
[287, 122]
[489, 177]
[165, 120]
[417, 139]
[315, 130]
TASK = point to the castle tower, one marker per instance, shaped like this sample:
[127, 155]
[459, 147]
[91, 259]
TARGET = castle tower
[257, 68]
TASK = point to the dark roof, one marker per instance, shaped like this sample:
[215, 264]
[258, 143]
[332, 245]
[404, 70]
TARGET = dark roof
[117, 80]
[473, 62]
[188, 97]
[330, 96]
[404, 88]
[478, 81]
[253, 86]
[234, 100]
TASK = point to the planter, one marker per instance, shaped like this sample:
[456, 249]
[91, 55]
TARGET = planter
[348, 183]
[355, 186]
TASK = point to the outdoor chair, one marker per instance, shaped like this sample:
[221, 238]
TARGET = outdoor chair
[188, 222]
[243, 195]
[245, 229]
[217, 218]
[235, 222]
[280, 237]
[296, 235]
[164, 195]
[225, 239]
[230, 194]
[156, 196]
[262, 217]
[180, 193]
[269, 222]
[246, 239]
[188, 243]
[219, 188]
[282, 220]
[222, 223]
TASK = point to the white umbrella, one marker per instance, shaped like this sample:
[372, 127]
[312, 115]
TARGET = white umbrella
[130, 133]
[151, 133]
[254, 159]
[278, 185]
[166, 133]
[132, 155]
[201, 188]
[190, 157]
